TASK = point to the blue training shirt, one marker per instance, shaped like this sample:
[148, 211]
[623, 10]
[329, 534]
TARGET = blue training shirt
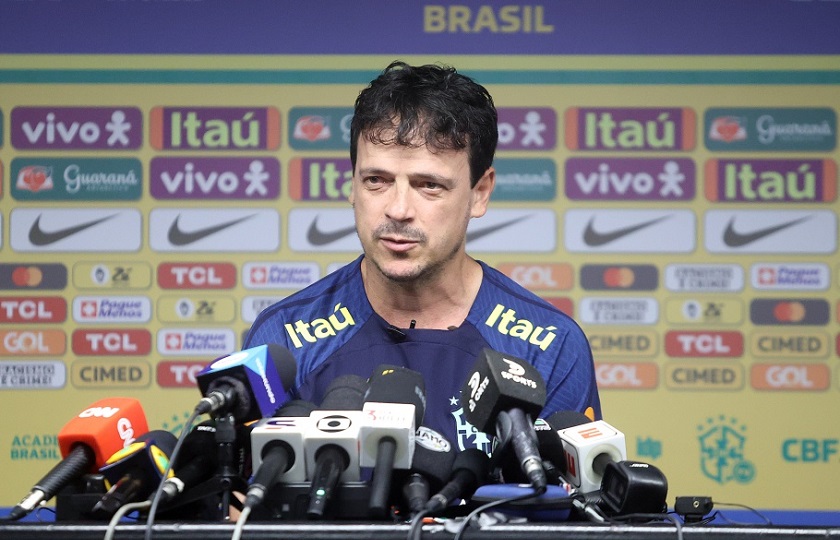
[332, 330]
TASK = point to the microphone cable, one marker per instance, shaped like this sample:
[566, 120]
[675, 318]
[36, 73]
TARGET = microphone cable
[240, 523]
[121, 512]
[536, 492]
[415, 531]
[155, 501]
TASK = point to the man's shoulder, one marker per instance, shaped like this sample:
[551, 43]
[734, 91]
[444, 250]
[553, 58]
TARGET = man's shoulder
[331, 285]
[498, 288]
[339, 294]
[515, 320]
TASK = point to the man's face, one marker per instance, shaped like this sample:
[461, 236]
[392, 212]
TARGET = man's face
[412, 207]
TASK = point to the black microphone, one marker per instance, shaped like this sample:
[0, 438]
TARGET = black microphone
[555, 461]
[395, 403]
[198, 459]
[504, 392]
[277, 446]
[345, 393]
[469, 471]
[430, 468]
[135, 472]
[331, 443]
[249, 384]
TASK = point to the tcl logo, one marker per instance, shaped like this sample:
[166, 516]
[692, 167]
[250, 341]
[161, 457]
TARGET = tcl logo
[44, 309]
[112, 342]
[32, 342]
[638, 375]
[178, 374]
[806, 377]
[197, 276]
[705, 344]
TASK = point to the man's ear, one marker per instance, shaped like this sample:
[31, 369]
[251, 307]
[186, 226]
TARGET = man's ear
[481, 192]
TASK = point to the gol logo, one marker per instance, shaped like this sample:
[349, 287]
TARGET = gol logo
[556, 277]
[634, 376]
[32, 343]
[806, 377]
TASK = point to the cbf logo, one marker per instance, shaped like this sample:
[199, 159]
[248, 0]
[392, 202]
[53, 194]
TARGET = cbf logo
[468, 435]
[722, 451]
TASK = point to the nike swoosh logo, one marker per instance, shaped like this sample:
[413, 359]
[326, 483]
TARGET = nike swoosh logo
[40, 237]
[177, 237]
[317, 237]
[476, 234]
[733, 238]
[594, 238]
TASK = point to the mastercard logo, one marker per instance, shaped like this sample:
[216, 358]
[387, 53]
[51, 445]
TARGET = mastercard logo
[27, 276]
[793, 312]
[790, 311]
[620, 278]
[33, 276]
[637, 277]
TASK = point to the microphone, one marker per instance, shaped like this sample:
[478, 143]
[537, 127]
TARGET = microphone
[469, 470]
[249, 384]
[345, 393]
[596, 459]
[277, 449]
[331, 442]
[195, 462]
[505, 392]
[387, 435]
[551, 445]
[430, 468]
[135, 471]
[588, 448]
[198, 458]
[86, 442]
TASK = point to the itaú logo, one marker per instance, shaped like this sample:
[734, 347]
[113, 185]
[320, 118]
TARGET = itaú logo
[803, 377]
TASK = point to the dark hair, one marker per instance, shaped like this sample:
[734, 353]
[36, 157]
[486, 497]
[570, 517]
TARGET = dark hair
[432, 105]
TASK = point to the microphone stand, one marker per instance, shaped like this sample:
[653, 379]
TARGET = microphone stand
[227, 479]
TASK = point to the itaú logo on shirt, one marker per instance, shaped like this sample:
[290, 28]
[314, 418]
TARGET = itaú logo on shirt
[320, 328]
[506, 322]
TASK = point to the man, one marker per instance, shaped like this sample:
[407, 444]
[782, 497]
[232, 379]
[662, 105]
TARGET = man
[422, 146]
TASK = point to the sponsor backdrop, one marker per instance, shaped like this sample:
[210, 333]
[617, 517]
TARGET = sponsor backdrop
[677, 198]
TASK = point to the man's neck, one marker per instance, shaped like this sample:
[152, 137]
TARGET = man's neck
[435, 304]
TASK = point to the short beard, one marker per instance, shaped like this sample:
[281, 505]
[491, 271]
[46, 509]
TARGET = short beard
[419, 275]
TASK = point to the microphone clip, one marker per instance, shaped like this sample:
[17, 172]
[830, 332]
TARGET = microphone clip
[395, 333]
